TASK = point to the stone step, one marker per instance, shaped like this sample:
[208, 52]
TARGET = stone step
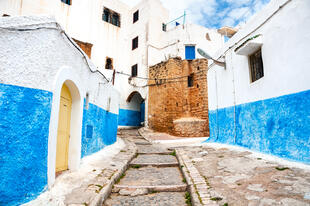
[151, 149]
[157, 160]
[153, 188]
[162, 198]
[153, 178]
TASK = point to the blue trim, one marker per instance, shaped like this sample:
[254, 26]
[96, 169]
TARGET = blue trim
[129, 118]
[279, 126]
[99, 129]
[190, 52]
[24, 129]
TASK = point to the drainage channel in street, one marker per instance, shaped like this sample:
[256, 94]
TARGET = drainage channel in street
[153, 178]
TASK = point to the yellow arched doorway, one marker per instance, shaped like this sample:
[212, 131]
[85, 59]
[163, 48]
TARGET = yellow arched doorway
[63, 133]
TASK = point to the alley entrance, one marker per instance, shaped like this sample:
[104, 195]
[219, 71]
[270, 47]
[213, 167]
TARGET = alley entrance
[63, 129]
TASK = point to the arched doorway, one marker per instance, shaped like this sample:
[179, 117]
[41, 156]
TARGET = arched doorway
[63, 133]
[130, 115]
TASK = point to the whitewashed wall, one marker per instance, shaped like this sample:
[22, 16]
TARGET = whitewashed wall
[43, 59]
[285, 39]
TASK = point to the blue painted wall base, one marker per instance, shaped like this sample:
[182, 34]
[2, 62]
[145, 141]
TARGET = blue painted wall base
[129, 118]
[24, 129]
[99, 129]
[278, 126]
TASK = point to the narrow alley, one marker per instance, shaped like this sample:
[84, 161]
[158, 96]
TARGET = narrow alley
[153, 178]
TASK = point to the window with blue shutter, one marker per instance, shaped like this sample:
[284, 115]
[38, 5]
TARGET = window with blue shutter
[190, 52]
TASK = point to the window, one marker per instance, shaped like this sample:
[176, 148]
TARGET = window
[109, 63]
[135, 43]
[256, 65]
[134, 70]
[111, 17]
[190, 80]
[66, 2]
[164, 27]
[190, 52]
[135, 16]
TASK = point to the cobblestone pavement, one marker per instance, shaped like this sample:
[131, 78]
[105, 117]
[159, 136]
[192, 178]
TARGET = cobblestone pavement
[144, 183]
[235, 177]
[156, 199]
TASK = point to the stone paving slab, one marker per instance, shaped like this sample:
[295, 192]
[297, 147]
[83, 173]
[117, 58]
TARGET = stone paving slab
[152, 149]
[155, 159]
[224, 175]
[156, 199]
[152, 176]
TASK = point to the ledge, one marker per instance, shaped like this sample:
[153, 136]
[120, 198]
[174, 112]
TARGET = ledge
[250, 46]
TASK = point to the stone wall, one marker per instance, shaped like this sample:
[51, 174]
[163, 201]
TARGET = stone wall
[171, 98]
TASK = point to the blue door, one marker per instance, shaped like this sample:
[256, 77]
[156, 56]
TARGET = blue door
[190, 52]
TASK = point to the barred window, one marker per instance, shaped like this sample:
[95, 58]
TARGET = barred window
[256, 65]
[111, 17]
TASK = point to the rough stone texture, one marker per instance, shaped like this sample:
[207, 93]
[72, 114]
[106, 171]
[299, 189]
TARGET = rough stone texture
[151, 176]
[241, 179]
[156, 199]
[152, 149]
[170, 100]
[155, 159]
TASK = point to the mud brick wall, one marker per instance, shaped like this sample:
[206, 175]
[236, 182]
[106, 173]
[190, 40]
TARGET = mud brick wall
[170, 98]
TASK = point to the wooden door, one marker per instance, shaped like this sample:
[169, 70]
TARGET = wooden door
[63, 130]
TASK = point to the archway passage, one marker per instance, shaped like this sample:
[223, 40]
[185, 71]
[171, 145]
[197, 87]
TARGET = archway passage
[132, 111]
[63, 133]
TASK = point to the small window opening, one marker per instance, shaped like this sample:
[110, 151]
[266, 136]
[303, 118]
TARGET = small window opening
[176, 104]
[136, 16]
[197, 85]
[197, 104]
[115, 20]
[109, 63]
[135, 43]
[66, 2]
[190, 80]
[106, 15]
[134, 70]
[5, 15]
[164, 27]
[256, 66]
[198, 68]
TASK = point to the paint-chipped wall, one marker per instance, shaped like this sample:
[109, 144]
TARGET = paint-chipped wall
[36, 58]
[173, 99]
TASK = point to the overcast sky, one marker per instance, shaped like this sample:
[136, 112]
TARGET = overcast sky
[212, 13]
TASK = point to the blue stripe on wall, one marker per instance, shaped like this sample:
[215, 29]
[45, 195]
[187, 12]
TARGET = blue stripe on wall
[129, 118]
[24, 129]
[99, 129]
[278, 126]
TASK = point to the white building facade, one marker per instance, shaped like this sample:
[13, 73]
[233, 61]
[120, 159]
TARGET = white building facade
[261, 99]
[112, 28]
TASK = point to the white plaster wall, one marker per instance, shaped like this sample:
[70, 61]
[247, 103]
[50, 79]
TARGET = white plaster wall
[44, 59]
[83, 21]
[285, 53]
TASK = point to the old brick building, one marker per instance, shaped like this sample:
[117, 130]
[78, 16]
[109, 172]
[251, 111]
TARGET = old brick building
[178, 97]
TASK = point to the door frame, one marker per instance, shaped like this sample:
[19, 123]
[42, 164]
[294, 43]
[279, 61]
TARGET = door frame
[68, 76]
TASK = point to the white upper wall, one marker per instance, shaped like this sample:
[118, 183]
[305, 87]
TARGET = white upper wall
[285, 35]
[34, 59]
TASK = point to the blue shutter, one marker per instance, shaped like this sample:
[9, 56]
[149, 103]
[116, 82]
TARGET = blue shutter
[190, 52]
